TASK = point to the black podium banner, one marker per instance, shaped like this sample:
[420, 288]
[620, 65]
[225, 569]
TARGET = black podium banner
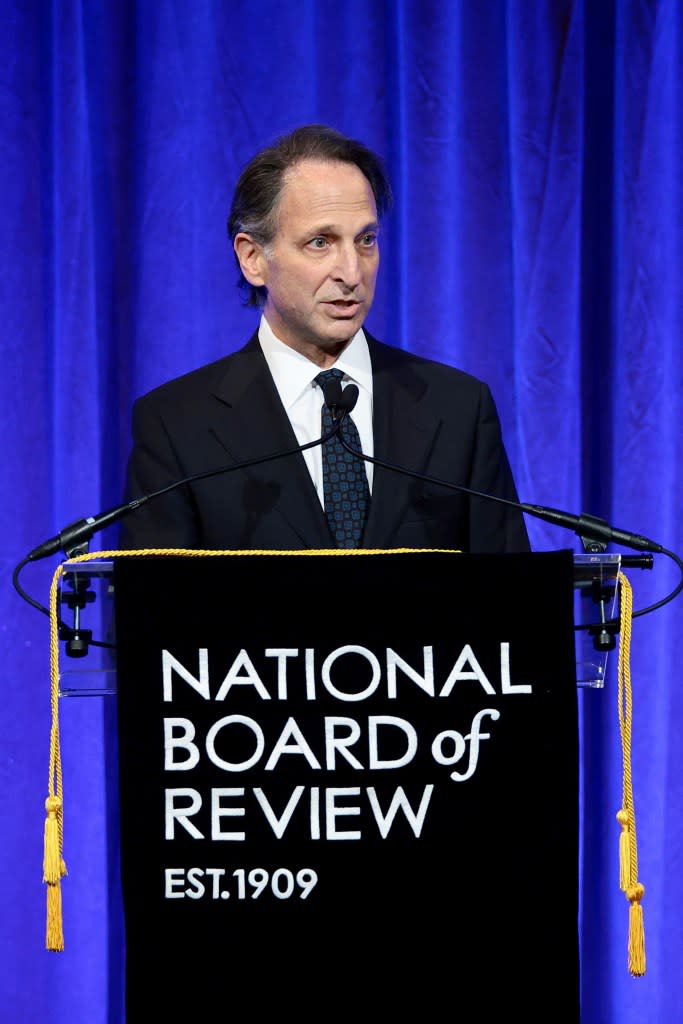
[348, 787]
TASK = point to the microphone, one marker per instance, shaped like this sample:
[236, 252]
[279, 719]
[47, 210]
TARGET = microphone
[73, 539]
[585, 526]
[341, 402]
[78, 533]
[332, 393]
[349, 397]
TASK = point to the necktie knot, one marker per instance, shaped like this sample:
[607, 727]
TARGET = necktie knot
[326, 376]
[329, 381]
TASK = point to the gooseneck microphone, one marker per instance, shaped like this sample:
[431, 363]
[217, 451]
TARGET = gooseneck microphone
[73, 539]
[341, 402]
[585, 526]
[332, 393]
[80, 532]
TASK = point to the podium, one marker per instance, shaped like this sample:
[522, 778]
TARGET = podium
[348, 785]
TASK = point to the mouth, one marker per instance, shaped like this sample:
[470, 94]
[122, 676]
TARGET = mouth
[343, 307]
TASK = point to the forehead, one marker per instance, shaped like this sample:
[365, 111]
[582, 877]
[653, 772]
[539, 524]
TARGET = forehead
[316, 191]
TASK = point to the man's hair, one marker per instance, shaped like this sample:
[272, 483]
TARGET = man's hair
[258, 191]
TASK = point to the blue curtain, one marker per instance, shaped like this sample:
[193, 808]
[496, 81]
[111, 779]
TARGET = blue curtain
[537, 241]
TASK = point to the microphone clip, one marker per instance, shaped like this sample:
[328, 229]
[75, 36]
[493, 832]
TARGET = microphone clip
[592, 544]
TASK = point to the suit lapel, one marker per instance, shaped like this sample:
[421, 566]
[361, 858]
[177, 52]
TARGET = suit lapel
[250, 421]
[404, 433]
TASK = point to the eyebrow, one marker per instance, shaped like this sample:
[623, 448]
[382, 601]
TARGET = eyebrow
[332, 229]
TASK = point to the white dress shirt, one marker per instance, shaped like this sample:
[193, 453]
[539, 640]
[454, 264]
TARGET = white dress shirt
[294, 377]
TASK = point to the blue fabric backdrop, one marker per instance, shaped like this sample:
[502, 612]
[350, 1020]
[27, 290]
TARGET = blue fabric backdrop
[537, 241]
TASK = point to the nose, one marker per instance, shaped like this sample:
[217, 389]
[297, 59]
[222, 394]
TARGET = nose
[347, 266]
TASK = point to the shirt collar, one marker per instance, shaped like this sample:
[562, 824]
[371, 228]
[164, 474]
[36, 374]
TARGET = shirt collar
[293, 372]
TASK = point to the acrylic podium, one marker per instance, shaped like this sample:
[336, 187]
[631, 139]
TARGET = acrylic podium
[348, 783]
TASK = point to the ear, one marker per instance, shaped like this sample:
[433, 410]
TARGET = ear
[251, 259]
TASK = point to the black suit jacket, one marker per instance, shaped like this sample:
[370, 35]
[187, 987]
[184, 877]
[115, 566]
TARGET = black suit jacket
[427, 417]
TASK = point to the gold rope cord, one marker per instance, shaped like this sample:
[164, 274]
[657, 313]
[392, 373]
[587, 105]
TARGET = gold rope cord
[628, 847]
[54, 868]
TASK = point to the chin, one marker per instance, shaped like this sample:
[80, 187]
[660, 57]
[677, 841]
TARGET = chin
[344, 330]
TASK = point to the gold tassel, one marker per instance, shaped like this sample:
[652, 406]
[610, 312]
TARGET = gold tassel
[624, 850]
[628, 843]
[636, 932]
[52, 855]
[54, 867]
[54, 934]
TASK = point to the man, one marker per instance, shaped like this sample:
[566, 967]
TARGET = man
[304, 225]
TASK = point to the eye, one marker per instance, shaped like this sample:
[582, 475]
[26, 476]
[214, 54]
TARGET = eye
[319, 242]
[368, 239]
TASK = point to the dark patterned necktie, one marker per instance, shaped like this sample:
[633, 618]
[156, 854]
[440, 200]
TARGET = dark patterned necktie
[345, 484]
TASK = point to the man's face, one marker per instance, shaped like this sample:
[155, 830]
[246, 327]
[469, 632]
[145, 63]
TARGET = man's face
[320, 269]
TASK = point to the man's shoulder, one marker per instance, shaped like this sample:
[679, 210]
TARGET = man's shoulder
[197, 383]
[389, 358]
